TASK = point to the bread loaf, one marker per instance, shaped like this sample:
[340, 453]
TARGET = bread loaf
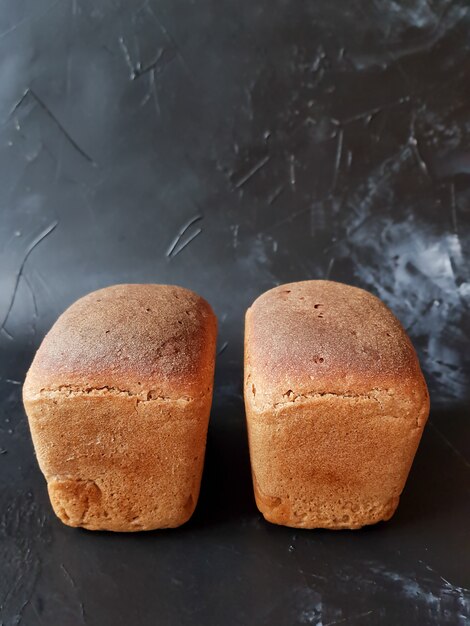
[335, 402]
[118, 399]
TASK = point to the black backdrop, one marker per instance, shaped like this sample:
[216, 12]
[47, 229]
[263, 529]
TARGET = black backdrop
[229, 147]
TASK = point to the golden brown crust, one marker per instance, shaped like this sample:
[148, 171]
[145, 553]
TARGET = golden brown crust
[321, 336]
[119, 418]
[335, 405]
[130, 337]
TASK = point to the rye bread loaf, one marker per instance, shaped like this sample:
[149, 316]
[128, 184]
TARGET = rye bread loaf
[335, 402]
[118, 399]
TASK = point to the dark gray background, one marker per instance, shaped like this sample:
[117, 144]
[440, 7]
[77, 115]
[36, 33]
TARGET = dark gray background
[312, 139]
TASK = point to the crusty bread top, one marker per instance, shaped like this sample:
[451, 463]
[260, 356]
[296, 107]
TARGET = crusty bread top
[318, 337]
[133, 338]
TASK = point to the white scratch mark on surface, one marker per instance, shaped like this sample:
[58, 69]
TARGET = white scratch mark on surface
[275, 194]
[254, 170]
[330, 267]
[374, 111]
[235, 228]
[292, 171]
[222, 348]
[186, 242]
[181, 232]
[415, 147]
[339, 153]
[42, 235]
[127, 56]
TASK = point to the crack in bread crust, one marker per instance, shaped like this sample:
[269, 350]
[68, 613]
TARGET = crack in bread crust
[375, 395]
[73, 391]
[293, 396]
[380, 395]
[302, 398]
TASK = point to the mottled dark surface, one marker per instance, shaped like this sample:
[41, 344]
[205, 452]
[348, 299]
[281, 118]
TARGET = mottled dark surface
[311, 139]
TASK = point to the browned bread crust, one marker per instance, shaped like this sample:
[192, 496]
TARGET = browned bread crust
[336, 404]
[126, 336]
[118, 398]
